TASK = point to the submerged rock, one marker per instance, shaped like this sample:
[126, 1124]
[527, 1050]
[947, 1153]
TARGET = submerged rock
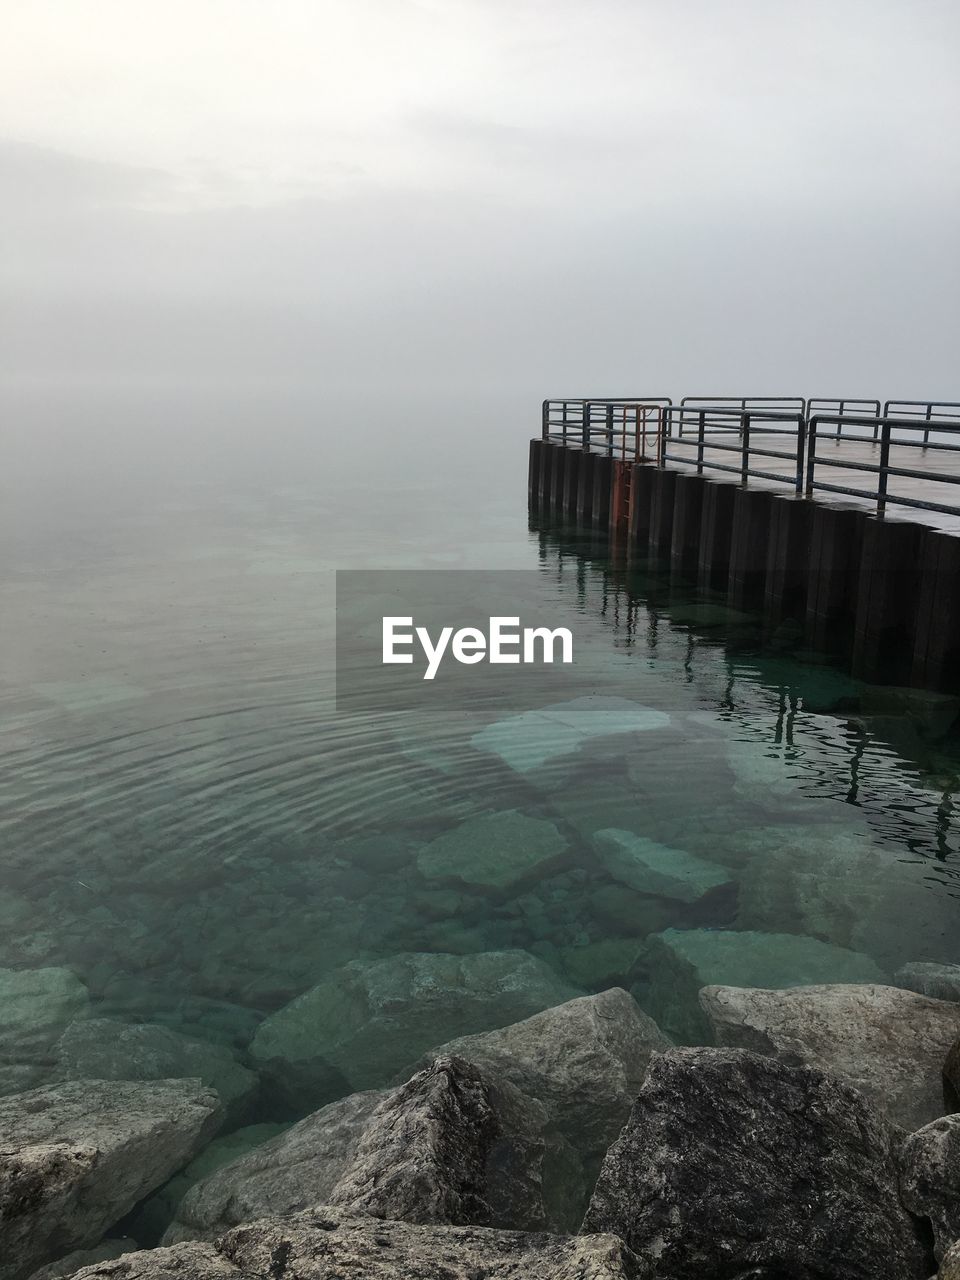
[842, 887]
[888, 1043]
[153, 1216]
[602, 965]
[101, 1049]
[495, 853]
[583, 1060]
[35, 1006]
[535, 738]
[368, 1020]
[296, 1169]
[939, 981]
[930, 1178]
[683, 961]
[934, 714]
[653, 868]
[325, 1244]
[76, 1157]
[732, 1163]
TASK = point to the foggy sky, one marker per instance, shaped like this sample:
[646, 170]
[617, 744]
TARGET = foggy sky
[528, 197]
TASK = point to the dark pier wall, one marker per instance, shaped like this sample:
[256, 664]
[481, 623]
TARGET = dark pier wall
[884, 594]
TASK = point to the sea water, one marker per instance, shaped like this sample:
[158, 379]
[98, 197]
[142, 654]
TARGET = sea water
[192, 829]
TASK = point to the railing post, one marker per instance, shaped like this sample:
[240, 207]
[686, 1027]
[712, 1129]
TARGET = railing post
[744, 447]
[801, 439]
[609, 416]
[564, 426]
[884, 464]
[926, 430]
[811, 454]
[545, 420]
[585, 418]
[702, 417]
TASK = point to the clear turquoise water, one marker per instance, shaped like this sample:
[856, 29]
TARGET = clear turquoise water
[189, 826]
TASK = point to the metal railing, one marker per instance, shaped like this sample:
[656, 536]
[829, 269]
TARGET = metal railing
[747, 425]
[591, 423]
[885, 441]
[925, 413]
[744, 436]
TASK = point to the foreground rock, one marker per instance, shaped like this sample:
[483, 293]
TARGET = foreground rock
[683, 961]
[938, 981]
[324, 1244]
[76, 1157]
[368, 1020]
[452, 1145]
[734, 1163]
[102, 1049]
[950, 1266]
[889, 1043]
[653, 868]
[930, 1178]
[183, 1262]
[584, 1061]
[35, 1006]
[495, 853]
[951, 1078]
[66, 1266]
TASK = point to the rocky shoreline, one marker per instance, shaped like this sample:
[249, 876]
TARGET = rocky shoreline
[813, 1138]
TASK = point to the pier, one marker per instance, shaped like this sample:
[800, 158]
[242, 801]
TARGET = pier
[840, 516]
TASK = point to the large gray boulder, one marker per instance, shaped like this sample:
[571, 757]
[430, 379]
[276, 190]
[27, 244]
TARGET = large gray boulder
[583, 1060]
[496, 853]
[102, 1049]
[930, 1178]
[889, 1043]
[364, 1022]
[35, 1006]
[107, 1251]
[325, 1244]
[733, 1163]
[76, 1157]
[950, 1266]
[451, 1145]
[182, 1262]
[683, 961]
[951, 1077]
[454, 1145]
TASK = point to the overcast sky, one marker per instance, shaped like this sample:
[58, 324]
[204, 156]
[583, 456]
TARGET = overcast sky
[529, 196]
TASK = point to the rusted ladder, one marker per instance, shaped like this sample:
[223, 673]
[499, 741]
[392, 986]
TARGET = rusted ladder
[647, 430]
